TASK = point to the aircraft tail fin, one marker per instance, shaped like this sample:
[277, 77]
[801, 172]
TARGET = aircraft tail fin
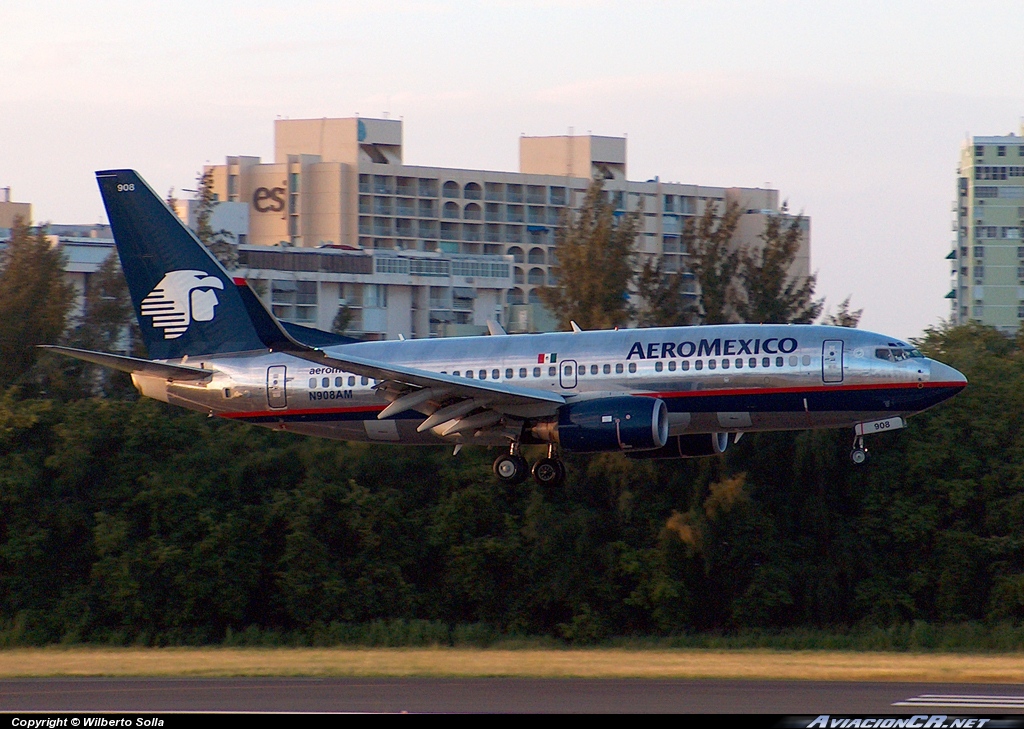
[185, 301]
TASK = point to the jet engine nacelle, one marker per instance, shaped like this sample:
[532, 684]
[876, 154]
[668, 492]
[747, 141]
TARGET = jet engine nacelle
[612, 424]
[689, 446]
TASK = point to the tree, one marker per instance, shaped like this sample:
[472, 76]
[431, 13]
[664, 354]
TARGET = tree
[219, 242]
[843, 316]
[106, 324]
[594, 250]
[35, 299]
[663, 295]
[343, 319]
[770, 295]
[713, 261]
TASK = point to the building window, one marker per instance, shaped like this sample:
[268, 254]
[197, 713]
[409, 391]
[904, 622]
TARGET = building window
[979, 150]
[427, 187]
[1001, 151]
[450, 189]
[294, 300]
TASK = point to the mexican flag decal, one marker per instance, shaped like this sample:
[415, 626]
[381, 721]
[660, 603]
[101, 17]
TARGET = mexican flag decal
[547, 358]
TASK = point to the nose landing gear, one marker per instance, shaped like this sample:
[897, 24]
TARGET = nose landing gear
[859, 454]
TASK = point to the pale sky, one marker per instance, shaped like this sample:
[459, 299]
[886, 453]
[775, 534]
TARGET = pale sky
[854, 111]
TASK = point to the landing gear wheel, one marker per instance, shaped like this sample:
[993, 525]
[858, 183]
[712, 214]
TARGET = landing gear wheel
[858, 455]
[548, 472]
[511, 469]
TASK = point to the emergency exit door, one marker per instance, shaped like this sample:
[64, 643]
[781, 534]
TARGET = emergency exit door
[832, 360]
[277, 396]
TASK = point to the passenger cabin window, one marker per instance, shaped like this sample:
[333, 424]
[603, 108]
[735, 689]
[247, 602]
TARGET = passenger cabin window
[339, 381]
[607, 369]
[618, 368]
[766, 361]
[658, 366]
[469, 374]
[752, 362]
[792, 360]
[632, 366]
[684, 365]
[806, 359]
[536, 371]
[779, 361]
[698, 364]
[522, 372]
[739, 363]
[671, 365]
[495, 374]
[456, 373]
[508, 373]
[363, 381]
[352, 381]
[326, 382]
[552, 371]
[712, 364]
[593, 369]
[725, 364]
[567, 370]
[312, 382]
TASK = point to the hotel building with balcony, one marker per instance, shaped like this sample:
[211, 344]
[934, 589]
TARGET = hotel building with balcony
[340, 185]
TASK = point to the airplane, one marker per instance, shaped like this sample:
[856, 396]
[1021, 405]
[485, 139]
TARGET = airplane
[677, 392]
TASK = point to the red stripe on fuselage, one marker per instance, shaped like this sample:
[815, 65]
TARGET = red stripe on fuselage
[684, 393]
[797, 390]
[305, 411]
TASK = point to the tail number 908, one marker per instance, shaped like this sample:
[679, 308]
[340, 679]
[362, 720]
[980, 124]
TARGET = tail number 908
[126, 187]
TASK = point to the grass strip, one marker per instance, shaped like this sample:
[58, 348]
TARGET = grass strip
[458, 662]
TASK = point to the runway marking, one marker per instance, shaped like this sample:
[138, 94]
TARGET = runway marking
[965, 701]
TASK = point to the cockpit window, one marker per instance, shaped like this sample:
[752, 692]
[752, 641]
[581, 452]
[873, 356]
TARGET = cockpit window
[897, 354]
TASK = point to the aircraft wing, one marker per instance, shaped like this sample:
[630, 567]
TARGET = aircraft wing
[441, 397]
[425, 378]
[132, 364]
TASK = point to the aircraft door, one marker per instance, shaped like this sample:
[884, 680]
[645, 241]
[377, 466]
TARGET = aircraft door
[832, 360]
[277, 397]
[567, 374]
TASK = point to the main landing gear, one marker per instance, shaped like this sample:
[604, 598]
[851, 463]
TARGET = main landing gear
[513, 469]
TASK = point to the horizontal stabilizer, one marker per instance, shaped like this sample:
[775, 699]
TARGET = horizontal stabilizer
[132, 364]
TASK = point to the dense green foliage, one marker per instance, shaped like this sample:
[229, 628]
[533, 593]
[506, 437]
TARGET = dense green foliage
[34, 300]
[133, 521]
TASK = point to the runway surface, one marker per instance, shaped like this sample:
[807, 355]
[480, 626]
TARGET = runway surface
[505, 695]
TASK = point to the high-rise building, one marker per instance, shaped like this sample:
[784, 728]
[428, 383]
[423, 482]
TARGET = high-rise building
[988, 249]
[341, 183]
